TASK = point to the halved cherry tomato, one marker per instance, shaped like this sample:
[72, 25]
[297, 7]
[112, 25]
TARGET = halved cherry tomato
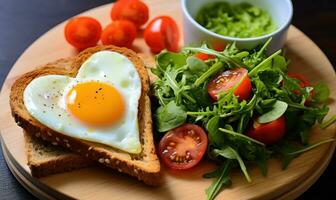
[82, 32]
[133, 10]
[268, 133]
[304, 82]
[183, 147]
[120, 33]
[204, 56]
[162, 33]
[229, 79]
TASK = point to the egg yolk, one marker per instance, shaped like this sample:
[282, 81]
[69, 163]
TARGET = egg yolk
[95, 103]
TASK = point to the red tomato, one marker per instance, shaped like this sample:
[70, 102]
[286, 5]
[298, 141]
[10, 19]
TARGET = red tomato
[229, 79]
[162, 33]
[183, 147]
[303, 80]
[303, 83]
[133, 10]
[120, 33]
[82, 32]
[268, 133]
[218, 45]
[204, 56]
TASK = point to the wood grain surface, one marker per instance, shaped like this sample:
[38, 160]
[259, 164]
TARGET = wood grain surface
[99, 183]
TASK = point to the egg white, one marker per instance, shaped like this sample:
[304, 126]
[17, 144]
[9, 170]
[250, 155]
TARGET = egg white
[45, 97]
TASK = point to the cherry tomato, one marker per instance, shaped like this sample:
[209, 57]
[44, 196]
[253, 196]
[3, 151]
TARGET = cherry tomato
[303, 80]
[303, 83]
[133, 10]
[218, 45]
[119, 33]
[82, 32]
[268, 133]
[183, 147]
[204, 56]
[162, 33]
[229, 79]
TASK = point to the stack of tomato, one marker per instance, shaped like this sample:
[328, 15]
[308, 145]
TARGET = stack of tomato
[128, 17]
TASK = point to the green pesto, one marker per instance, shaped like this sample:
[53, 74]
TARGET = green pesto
[241, 20]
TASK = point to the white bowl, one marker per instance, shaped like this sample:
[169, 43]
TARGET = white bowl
[194, 33]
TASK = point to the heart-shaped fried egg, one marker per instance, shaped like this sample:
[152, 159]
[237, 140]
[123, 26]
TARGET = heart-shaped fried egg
[100, 104]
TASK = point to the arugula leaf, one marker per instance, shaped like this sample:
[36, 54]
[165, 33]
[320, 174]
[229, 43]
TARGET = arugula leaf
[283, 149]
[214, 135]
[196, 66]
[267, 63]
[211, 71]
[321, 93]
[261, 160]
[204, 49]
[310, 147]
[231, 50]
[239, 135]
[271, 78]
[329, 122]
[279, 108]
[230, 153]
[279, 62]
[174, 60]
[243, 122]
[169, 116]
[289, 151]
[253, 59]
[260, 88]
[222, 179]
[200, 94]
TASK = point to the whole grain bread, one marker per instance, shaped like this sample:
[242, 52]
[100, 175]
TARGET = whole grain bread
[45, 159]
[145, 166]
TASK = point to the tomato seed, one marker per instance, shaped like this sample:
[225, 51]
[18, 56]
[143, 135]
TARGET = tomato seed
[198, 139]
[172, 144]
[172, 157]
[191, 132]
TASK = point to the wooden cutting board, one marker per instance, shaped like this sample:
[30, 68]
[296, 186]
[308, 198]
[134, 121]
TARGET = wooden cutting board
[99, 183]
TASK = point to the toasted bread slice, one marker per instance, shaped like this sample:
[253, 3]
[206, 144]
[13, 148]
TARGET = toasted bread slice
[44, 159]
[145, 166]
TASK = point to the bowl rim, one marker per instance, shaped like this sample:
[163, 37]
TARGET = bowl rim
[262, 37]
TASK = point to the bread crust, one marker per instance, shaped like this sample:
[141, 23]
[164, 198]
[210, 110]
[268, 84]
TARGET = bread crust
[144, 166]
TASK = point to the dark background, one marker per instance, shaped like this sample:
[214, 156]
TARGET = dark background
[23, 21]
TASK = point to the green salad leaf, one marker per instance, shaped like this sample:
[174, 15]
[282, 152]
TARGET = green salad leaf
[278, 109]
[230, 153]
[222, 178]
[169, 116]
[321, 93]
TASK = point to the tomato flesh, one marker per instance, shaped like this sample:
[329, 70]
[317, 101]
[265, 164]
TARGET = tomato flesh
[162, 33]
[183, 147]
[119, 33]
[268, 133]
[204, 56]
[230, 79]
[133, 10]
[82, 32]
